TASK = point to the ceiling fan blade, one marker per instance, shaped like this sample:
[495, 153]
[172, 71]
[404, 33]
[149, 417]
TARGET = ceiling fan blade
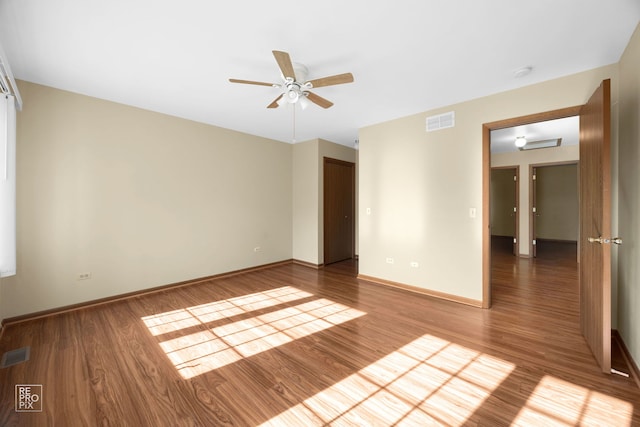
[275, 104]
[332, 80]
[284, 62]
[324, 103]
[250, 82]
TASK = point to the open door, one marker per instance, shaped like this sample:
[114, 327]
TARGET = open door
[595, 224]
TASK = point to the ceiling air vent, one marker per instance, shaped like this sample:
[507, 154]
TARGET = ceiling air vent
[441, 121]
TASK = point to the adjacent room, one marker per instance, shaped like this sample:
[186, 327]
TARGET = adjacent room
[279, 214]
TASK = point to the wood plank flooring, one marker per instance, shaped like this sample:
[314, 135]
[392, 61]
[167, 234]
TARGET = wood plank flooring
[296, 346]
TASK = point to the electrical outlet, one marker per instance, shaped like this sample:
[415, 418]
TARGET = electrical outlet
[257, 249]
[414, 264]
[389, 260]
[83, 276]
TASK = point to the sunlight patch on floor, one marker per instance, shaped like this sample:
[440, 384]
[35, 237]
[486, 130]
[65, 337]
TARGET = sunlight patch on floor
[213, 347]
[555, 402]
[428, 381]
[176, 320]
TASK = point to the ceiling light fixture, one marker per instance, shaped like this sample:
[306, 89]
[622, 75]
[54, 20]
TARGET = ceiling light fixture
[292, 93]
[303, 101]
[545, 143]
[521, 141]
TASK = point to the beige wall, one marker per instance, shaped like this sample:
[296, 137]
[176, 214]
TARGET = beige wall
[305, 201]
[138, 199]
[628, 320]
[420, 186]
[308, 230]
[525, 159]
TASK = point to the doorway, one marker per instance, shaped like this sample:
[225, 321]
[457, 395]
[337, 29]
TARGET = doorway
[339, 210]
[555, 212]
[486, 182]
[595, 215]
[487, 128]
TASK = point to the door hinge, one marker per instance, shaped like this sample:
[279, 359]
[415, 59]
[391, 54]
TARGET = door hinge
[515, 209]
[515, 177]
[534, 242]
[533, 177]
[534, 209]
[515, 240]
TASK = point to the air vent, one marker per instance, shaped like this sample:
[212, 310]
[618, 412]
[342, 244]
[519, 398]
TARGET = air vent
[14, 357]
[441, 121]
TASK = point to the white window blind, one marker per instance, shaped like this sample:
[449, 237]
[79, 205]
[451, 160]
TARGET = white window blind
[7, 186]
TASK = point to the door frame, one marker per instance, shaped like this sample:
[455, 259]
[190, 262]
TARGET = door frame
[486, 182]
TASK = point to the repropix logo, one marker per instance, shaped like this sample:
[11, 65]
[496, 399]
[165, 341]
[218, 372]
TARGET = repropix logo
[28, 397]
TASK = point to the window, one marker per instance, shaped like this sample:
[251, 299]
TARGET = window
[7, 186]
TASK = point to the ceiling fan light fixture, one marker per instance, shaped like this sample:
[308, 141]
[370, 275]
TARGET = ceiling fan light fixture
[292, 96]
[303, 101]
[521, 141]
[292, 93]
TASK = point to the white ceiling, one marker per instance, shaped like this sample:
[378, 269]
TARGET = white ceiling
[407, 56]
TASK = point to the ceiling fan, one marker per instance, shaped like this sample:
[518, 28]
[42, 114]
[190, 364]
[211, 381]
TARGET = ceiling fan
[295, 87]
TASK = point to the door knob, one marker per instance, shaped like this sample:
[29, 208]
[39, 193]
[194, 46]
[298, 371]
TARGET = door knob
[602, 240]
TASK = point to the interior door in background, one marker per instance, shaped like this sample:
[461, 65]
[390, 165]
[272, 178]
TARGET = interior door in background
[339, 210]
[595, 222]
[504, 205]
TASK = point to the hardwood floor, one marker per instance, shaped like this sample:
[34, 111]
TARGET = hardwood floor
[296, 346]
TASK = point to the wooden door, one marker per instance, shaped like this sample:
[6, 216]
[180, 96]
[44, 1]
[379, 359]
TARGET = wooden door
[595, 222]
[339, 210]
[504, 204]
